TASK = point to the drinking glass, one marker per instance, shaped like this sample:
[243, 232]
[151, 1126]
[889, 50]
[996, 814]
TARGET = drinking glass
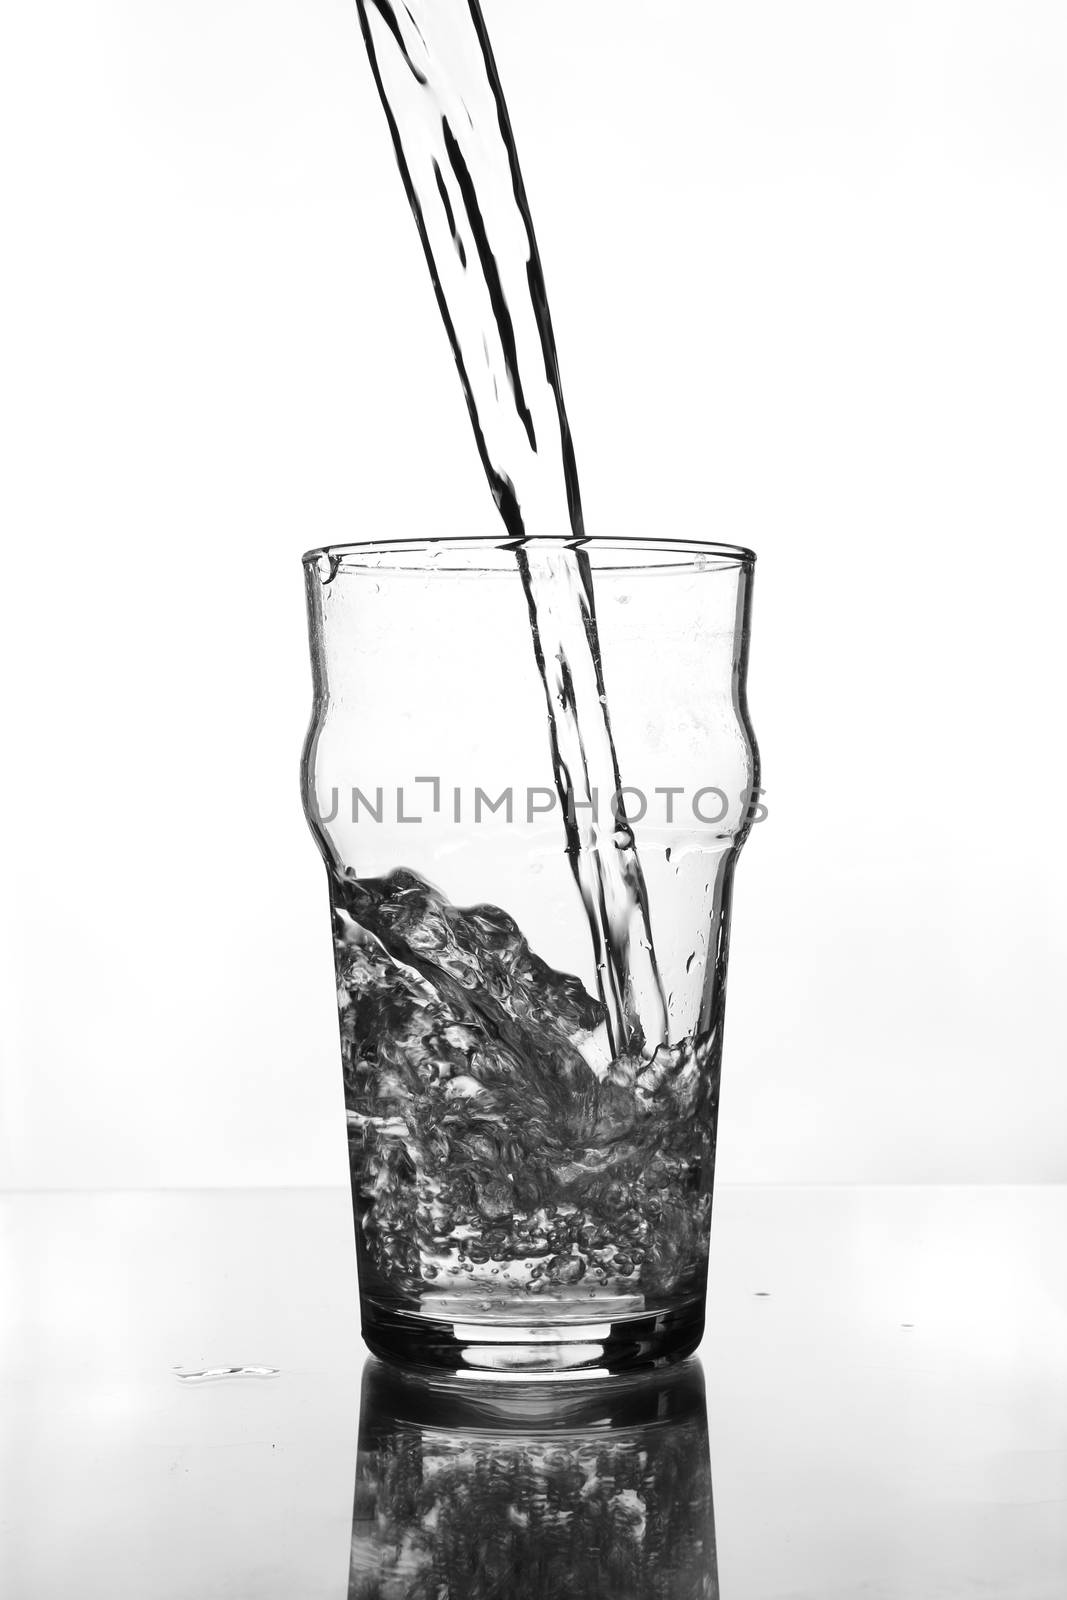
[531, 1135]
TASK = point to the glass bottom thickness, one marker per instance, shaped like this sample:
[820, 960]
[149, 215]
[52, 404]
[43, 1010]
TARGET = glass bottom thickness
[539, 1350]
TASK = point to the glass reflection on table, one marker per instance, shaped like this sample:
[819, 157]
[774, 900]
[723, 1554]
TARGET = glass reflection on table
[474, 1491]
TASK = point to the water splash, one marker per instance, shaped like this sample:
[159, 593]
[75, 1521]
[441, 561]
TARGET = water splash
[505, 1162]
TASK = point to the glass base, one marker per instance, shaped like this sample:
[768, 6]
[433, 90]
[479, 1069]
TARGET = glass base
[539, 1348]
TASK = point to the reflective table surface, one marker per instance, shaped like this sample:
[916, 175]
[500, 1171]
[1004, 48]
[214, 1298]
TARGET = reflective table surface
[879, 1412]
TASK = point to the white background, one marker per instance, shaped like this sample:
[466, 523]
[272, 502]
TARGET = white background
[807, 267]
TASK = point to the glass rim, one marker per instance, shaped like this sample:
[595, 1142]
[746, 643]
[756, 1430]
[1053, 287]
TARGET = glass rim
[487, 555]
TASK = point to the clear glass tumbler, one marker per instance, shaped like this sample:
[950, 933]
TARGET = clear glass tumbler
[530, 831]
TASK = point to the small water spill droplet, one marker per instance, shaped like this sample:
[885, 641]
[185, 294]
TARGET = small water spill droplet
[220, 1374]
[327, 565]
